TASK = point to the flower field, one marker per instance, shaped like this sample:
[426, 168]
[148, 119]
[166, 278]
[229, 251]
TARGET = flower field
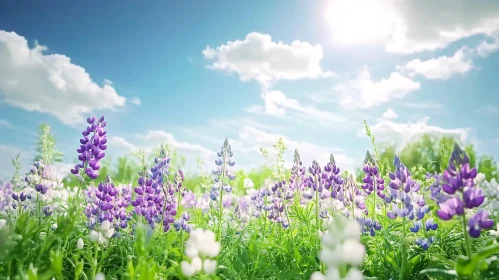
[434, 220]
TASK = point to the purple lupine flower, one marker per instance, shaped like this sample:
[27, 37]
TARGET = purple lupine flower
[281, 195]
[333, 180]
[258, 199]
[352, 194]
[91, 149]
[435, 188]
[425, 243]
[121, 202]
[459, 178]
[478, 222]
[6, 192]
[223, 173]
[370, 226]
[431, 225]
[296, 181]
[403, 194]
[314, 181]
[105, 203]
[189, 200]
[181, 223]
[373, 182]
[452, 206]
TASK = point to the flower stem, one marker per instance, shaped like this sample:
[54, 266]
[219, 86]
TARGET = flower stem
[404, 257]
[466, 238]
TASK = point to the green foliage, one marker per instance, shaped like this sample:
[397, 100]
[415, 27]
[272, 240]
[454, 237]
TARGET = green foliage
[46, 150]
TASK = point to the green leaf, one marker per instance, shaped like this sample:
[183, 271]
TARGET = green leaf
[32, 273]
[78, 269]
[466, 266]
[130, 270]
[411, 263]
[393, 264]
[439, 273]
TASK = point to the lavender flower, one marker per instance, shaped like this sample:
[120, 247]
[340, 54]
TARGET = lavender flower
[91, 149]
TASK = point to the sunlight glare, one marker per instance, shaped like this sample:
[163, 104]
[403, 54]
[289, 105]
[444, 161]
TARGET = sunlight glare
[359, 21]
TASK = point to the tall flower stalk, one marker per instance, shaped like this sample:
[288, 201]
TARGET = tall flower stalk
[223, 175]
[463, 194]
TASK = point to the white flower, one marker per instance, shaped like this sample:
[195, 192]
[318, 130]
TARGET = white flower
[353, 252]
[79, 243]
[209, 266]
[3, 223]
[100, 276]
[341, 247]
[201, 247]
[495, 232]
[354, 274]
[248, 183]
[96, 236]
[197, 264]
[187, 269]
[317, 276]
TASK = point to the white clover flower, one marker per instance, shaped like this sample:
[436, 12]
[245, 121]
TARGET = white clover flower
[79, 243]
[3, 223]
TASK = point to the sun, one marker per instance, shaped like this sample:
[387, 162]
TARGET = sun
[359, 21]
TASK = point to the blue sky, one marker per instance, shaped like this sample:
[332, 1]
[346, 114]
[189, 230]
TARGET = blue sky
[191, 73]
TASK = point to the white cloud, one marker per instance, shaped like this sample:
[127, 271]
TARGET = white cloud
[121, 143]
[486, 48]
[9, 125]
[495, 141]
[157, 137]
[364, 92]
[276, 104]
[135, 100]
[49, 83]
[415, 26]
[258, 58]
[236, 123]
[6, 124]
[441, 68]
[251, 139]
[387, 131]
[390, 114]
[490, 110]
[422, 105]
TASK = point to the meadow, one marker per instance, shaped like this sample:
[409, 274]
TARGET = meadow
[426, 211]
